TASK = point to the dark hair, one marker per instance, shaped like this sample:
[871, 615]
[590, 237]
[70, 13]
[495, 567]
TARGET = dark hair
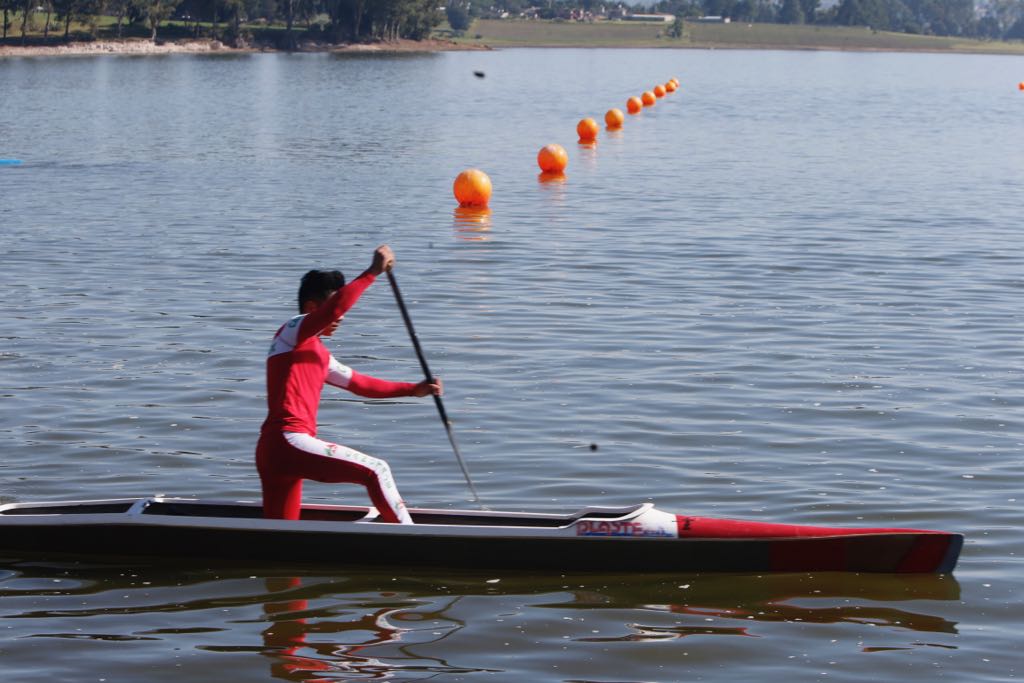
[317, 285]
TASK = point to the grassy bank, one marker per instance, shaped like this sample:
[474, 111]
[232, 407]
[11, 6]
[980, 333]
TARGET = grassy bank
[103, 30]
[507, 33]
[101, 27]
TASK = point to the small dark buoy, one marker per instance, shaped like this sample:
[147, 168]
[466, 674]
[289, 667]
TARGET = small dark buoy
[593, 446]
[479, 74]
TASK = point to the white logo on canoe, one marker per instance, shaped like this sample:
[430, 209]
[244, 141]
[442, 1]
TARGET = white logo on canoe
[632, 529]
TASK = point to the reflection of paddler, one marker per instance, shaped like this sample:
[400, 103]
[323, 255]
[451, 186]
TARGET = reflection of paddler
[283, 638]
[287, 633]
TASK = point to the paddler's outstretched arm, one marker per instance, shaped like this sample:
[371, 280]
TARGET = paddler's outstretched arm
[344, 377]
[345, 298]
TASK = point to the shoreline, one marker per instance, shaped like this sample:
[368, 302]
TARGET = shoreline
[146, 47]
[756, 47]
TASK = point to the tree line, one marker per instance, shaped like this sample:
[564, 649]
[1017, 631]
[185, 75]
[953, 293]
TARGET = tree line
[336, 21]
[993, 19]
[333, 21]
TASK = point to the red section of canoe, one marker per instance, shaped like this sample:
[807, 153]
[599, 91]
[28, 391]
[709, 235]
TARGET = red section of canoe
[799, 548]
[930, 553]
[707, 527]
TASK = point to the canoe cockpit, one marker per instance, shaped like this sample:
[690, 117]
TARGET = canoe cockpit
[160, 506]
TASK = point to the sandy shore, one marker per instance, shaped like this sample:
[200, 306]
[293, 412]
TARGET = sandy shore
[431, 45]
[147, 47]
[122, 47]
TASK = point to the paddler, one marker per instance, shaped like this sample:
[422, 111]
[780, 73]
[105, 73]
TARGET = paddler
[298, 365]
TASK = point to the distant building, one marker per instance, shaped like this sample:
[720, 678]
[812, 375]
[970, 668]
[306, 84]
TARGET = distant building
[656, 18]
[713, 20]
[581, 15]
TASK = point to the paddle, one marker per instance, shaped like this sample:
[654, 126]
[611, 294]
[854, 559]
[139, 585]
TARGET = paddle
[430, 378]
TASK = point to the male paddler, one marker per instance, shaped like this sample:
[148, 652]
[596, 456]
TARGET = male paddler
[298, 365]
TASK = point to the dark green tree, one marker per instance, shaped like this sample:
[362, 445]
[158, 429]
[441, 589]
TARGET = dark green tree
[988, 27]
[1006, 13]
[765, 11]
[458, 16]
[47, 5]
[676, 29]
[1016, 32]
[871, 13]
[9, 8]
[347, 18]
[718, 8]
[65, 10]
[680, 8]
[943, 17]
[791, 12]
[120, 10]
[938, 17]
[26, 16]
[158, 11]
[810, 10]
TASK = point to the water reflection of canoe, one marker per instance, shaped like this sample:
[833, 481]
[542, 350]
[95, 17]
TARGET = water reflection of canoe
[632, 539]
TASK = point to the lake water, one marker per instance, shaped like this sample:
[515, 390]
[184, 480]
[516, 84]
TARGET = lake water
[790, 291]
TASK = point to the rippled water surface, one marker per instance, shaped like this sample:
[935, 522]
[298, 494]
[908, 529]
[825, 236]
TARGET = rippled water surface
[790, 291]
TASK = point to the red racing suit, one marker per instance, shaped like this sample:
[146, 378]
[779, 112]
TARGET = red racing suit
[298, 366]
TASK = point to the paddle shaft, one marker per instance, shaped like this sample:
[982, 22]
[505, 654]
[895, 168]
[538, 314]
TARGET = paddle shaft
[430, 378]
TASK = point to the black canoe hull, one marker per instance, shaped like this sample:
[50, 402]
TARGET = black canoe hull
[867, 553]
[630, 539]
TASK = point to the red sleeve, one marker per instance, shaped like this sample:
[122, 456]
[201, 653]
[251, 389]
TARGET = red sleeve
[372, 387]
[335, 307]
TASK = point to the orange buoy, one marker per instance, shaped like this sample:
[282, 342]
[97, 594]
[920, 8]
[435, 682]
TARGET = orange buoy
[648, 98]
[659, 90]
[1021, 85]
[670, 86]
[472, 187]
[552, 159]
[587, 130]
[614, 118]
[634, 105]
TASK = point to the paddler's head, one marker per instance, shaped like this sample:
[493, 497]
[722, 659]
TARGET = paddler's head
[317, 287]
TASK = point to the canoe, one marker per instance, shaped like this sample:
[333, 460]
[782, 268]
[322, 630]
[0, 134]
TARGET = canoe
[629, 539]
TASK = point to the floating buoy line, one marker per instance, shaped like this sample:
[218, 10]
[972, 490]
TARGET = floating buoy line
[472, 187]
